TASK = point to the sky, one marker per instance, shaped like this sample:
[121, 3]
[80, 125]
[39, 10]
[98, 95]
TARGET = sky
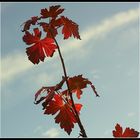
[108, 55]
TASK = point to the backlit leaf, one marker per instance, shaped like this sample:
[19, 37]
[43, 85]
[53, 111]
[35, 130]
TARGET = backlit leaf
[128, 132]
[53, 11]
[65, 115]
[40, 48]
[69, 28]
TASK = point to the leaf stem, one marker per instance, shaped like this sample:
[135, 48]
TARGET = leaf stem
[82, 130]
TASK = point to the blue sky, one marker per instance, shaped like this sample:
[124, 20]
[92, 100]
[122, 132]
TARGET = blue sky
[107, 55]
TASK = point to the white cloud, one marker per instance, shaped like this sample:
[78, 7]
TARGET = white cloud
[51, 133]
[43, 78]
[131, 114]
[14, 64]
[106, 26]
[17, 63]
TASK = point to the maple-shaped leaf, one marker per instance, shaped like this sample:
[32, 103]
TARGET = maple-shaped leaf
[65, 116]
[51, 28]
[69, 28]
[77, 83]
[118, 132]
[30, 22]
[40, 47]
[53, 11]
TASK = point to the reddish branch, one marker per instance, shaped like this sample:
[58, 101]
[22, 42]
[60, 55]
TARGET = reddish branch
[82, 130]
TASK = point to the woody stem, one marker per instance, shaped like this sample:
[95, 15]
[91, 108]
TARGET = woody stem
[82, 130]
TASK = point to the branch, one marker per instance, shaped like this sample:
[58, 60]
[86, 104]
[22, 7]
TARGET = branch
[82, 130]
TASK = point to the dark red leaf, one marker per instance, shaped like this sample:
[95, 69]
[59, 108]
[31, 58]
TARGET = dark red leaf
[51, 28]
[77, 83]
[130, 133]
[118, 132]
[30, 38]
[40, 47]
[65, 116]
[53, 11]
[69, 28]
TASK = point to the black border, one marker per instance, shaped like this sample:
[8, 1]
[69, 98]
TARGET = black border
[72, 1]
[132, 1]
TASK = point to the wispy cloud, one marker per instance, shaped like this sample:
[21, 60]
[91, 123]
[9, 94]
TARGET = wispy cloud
[40, 131]
[131, 114]
[105, 26]
[17, 63]
[51, 133]
[42, 78]
[14, 64]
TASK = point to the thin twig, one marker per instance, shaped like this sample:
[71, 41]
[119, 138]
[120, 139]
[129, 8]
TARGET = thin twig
[82, 130]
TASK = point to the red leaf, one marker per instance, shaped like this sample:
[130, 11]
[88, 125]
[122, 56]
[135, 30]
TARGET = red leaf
[30, 22]
[51, 28]
[40, 47]
[78, 107]
[77, 83]
[118, 132]
[70, 28]
[30, 38]
[130, 133]
[53, 11]
[65, 116]
[54, 105]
